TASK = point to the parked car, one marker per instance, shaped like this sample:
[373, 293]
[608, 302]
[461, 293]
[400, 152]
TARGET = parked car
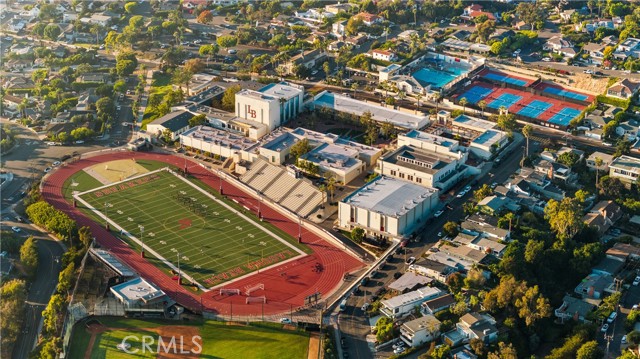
[410, 260]
[47, 170]
[546, 59]
[285, 320]
[636, 281]
[365, 306]
[624, 340]
[612, 317]
[461, 194]
[398, 344]
[232, 51]
[15, 229]
[56, 163]
[398, 350]
[494, 185]
[438, 214]
[605, 328]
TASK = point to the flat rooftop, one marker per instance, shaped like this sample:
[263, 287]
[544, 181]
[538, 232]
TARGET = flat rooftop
[626, 162]
[279, 141]
[391, 68]
[411, 297]
[256, 95]
[333, 156]
[428, 322]
[219, 137]
[281, 90]
[418, 159]
[113, 262]
[489, 137]
[381, 114]
[389, 196]
[319, 137]
[137, 289]
[429, 138]
[473, 123]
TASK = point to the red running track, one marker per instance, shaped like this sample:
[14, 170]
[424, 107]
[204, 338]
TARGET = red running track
[285, 286]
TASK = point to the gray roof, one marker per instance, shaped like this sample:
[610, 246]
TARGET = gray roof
[174, 121]
[389, 196]
[409, 280]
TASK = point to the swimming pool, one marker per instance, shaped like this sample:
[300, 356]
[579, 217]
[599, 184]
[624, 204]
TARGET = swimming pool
[436, 78]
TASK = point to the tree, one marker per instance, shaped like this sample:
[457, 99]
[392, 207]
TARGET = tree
[194, 65]
[463, 102]
[326, 68]
[208, 50]
[357, 234]
[126, 63]
[530, 13]
[622, 148]
[475, 278]
[51, 314]
[85, 236]
[81, 133]
[485, 29]
[564, 217]
[205, 17]
[13, 295]
[482, 104]
[532, 306]
[331, 187]
[482, 192]
[300, 148]
[506, 121]
[353, 26]
[450, 229]
[598, 164]
[29, 255]
[527, 131]
[52, 31]
[504, 352]
[455, 282]
[441, 352]
[611, 187]
[229, 97]
[197, 120]
[477, 346]
[227, 41]
[130, 7]
[569, 158]
[50, 349]
[65, 278]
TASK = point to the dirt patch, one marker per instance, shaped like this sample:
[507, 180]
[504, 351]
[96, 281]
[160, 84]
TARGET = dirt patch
[314, 346]
[590, 83]
[184, 339]
[94, 329]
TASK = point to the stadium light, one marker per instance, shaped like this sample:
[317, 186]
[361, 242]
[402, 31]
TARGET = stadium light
[106, 220]
[179, 273]
[141, 240]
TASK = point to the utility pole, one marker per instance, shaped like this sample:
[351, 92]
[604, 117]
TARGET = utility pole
[299, 229]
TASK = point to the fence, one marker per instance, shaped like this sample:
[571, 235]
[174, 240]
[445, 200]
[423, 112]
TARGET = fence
[75, 311]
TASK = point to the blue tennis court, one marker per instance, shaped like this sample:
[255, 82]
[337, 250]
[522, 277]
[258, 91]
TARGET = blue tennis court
[476, 93]
[535, 108]
[565, 93]
[564, 116]
[505, 79]
[506, 99]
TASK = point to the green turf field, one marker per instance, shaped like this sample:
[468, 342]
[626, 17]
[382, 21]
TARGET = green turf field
[218, 340]
[214, 243]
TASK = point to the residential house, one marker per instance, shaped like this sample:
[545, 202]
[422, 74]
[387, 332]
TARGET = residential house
[16, 24]
[604, 157]
[480, 242]
[404, 304]
[492, 205]
[474, 11]
[10, 105]
[31, 14]
[314, 15]
[409, 282]
[339, 28]
[630, 47]
[608, 266]
[501, 34]
[574, 308]
[560, 46]
[625, 168]
[624, 89]
[624, 251]
[339, 7]
[472, 326]
[430, 268]
[307, 59]
[383, 55]
[369, 19]
[94, 77]
[593, 286]
[487, 226]
[595, 52]
[420, 331]
[566, 15]
[610, 40]
[436, 305]
[603, 215]
[97, 19]
[628, 130]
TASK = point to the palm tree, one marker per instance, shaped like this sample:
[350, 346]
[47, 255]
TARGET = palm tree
[437, 97]
[282, 101]
[510, 216]
[331, 187]
[598, 162]
[323, 191]
[527, 130]
[482, 104]
[354, 87]
[22, 107]
[463, 102]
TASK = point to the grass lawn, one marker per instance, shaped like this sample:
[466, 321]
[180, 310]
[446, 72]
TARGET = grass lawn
[213, 242]
[160, 85]
[219, 340]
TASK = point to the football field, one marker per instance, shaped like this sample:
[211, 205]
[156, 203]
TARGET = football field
[213, 240]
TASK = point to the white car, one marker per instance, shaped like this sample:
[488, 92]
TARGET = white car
[398, 344]
[438, 214]
[624, 340]
[467, 188]
[125, 124]
[410, 260]
[47, 170]
[365, 306]
[461, 194]
[398, 350]
[546, 59]
[285, 320]
[15, 229]
[232, 51]
[636, 281]
[605, 328]
[119, 108]
[612, 317]
[56, 163]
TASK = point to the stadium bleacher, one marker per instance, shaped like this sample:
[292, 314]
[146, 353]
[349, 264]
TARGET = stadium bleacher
[278, 185]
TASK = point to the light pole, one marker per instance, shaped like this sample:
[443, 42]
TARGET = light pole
[141, 240]
[106, 220]
[299, 229]
[260, 206]
[263, 244]
[179, 273]
[220, 177]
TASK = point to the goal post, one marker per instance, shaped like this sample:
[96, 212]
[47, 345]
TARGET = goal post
[261, 299]
[229, 291]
